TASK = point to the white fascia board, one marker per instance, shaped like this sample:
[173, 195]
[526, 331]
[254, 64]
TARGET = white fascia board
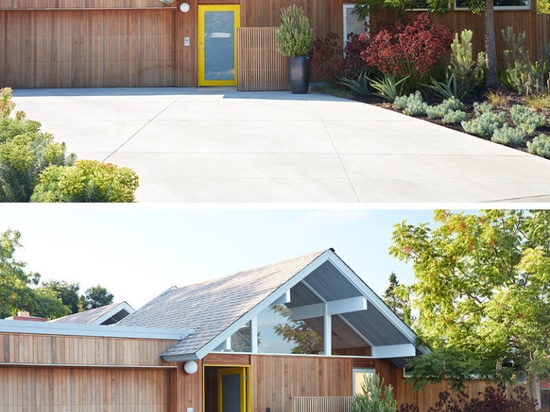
[67, 329]
[267, 302]
[334, 307]
[394, 351]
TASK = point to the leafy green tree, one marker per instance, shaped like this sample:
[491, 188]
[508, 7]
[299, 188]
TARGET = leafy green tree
[67, 292]
[17, 290]
[397, 297]
[95, 297]
[482, 291]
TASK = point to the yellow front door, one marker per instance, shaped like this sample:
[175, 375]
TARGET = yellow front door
[218, 44]
[233, 389]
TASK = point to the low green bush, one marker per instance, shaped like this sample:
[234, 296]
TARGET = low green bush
[412, 105]
[33, 167]
[86, 181]
[540, 146]
[486, 121]
[449, 105]
[388, 87]
[375, 396]
[507, 135]
[526, 119]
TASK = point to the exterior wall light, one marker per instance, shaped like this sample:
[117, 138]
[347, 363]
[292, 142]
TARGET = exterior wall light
[185, 7]
[190, 367]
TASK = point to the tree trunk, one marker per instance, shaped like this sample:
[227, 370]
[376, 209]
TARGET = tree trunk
[534, 387]
[491, 79]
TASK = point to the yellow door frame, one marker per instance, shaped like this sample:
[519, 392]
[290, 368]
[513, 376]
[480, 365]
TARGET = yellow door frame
[244, 372]
[201, 57]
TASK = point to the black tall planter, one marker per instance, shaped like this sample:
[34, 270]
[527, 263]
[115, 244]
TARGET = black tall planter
[298, 74]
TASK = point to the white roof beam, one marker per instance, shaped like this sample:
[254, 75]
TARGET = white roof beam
[393, 351]
[334, 307]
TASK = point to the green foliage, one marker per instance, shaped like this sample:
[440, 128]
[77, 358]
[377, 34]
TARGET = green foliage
[525, 77]
[398, 298]
[540, 146]
[454, 117]
[17, 292]
[482, 287]
[445, 89]
[24, 152]
[387, 87]
[67, 292]
[442, 363]
[96, 297]
[440, 110]
[543, 7]
[507, 135]
[86, 181]
[465, 70]
[375, 397]
[485, 122]
[359, 86]
[412, 105]
[527, 120]
[294, 36]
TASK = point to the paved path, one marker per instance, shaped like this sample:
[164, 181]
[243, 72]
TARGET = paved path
[220, 145]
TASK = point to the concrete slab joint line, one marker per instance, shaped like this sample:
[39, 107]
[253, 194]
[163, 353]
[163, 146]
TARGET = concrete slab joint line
[220, 145]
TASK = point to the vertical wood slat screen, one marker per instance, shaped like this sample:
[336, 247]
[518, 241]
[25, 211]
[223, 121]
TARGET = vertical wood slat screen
[321, 403]
[260, 66]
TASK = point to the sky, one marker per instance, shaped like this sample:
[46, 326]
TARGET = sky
[139, 252]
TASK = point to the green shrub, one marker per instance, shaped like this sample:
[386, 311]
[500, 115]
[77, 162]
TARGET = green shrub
[525, 77]
[387, 87]
[359, 86]
[375, 397]
[526, 119]
[294, 36]
[446, 106]
[24, 152]
[445, 89]
[454, 117]
[507, 135]
[86, 181]
[412, 105]
[467, 72]
[485, 122]
[540, 146]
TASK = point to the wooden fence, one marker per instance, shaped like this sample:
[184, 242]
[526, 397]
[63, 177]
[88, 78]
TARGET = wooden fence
[321, 403]
[261, 67]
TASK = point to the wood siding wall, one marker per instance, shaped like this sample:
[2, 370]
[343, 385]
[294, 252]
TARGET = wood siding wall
[85, 351]
[60, 389]
[87, 48]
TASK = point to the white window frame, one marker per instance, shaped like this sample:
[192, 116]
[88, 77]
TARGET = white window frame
[345, 8]
[360, 371]
[498, 8]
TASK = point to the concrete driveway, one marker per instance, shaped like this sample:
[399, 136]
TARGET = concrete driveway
[220, 145]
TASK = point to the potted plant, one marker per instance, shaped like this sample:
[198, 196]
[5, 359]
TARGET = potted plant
[295, 39]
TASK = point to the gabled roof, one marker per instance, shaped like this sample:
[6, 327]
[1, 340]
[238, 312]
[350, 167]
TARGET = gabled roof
[104, 315]
[215, 309]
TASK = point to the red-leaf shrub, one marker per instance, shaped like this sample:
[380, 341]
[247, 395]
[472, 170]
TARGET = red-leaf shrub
[354, 63]
[412, 50]
[327, 58]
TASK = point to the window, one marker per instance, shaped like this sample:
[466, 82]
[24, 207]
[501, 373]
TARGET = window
[499, 4]
[359, 376]
[352, 24]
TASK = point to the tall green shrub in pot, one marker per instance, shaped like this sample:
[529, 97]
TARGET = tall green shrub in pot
[295, 40]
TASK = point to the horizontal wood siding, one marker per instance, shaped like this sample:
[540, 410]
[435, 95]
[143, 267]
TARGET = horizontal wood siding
[261, 67]
[46, 389]
[76, 350]
[87, 48]
[82, 4]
